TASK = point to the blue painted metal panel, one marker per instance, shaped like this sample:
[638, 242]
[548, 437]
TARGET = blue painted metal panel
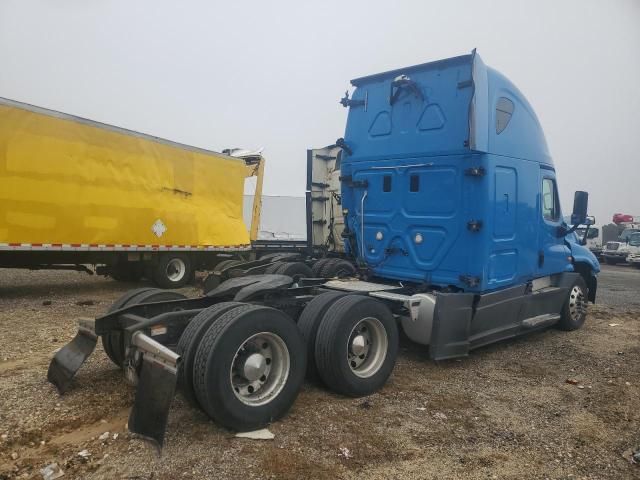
[412, 134]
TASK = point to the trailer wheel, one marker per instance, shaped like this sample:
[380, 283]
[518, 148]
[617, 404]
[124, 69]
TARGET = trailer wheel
[295, 270]
[189, 341]
[249, 367]
[173, 270]
[317, 266]
[112, 342]
[356, 345]
[337, 267]
[574, 310]
[309, 322]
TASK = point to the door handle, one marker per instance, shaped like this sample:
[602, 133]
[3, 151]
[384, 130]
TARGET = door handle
[540, 258]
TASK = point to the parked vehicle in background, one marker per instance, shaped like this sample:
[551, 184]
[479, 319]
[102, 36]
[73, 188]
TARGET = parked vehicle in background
[591, 237]
[633, 247]
[616, 251]
[622, 218]
[78, 194]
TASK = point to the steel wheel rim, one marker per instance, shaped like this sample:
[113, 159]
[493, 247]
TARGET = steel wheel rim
[176, 269]
[260, 369]
[367, 347]
[577, 304]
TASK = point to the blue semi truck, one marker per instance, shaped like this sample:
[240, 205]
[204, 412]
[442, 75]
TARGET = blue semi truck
[446, 223]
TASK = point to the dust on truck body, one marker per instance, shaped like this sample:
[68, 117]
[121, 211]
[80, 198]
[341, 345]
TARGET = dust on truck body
[452, 228]
[75, 191]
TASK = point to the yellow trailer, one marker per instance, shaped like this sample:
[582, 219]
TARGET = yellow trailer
[74, 191]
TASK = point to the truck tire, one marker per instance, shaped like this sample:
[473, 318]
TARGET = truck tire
[337, 267]
[317, 266]
[273, 267]
[112, 342]
[309, 322]
[213, 280]
[249, 367]
[574, 310]
[356, 345]
[189, 341]
[173, 270]
[295, 270]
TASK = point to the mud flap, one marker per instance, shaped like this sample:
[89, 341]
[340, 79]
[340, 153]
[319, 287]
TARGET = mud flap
[156, 388]
[68, 360]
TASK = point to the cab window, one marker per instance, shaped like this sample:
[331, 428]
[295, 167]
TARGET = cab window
[504, 111]
[550, 204]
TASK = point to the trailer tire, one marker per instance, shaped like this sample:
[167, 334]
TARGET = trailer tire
[317, 266]
[189, 341]
[356, 345]
[213, 280]
[574, 310]
[309, 322]
[295, 270]
[273, 267]
[172, 270]
[112, 342]
[337, 267]
[280, 359]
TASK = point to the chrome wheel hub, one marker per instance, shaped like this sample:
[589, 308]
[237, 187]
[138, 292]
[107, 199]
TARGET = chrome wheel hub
[577, 303]
[254, 367]
[260, 369]
[176, 269]
[367, 347]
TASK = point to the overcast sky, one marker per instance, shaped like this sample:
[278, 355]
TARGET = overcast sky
[270, 74]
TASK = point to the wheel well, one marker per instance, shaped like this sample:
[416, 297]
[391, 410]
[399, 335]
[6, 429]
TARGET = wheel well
[592, 283]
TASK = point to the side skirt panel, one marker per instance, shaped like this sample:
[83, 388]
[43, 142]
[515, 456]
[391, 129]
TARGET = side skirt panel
[464, 321]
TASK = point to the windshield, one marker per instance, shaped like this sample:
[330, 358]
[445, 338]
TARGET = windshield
[626, 233]
[634, 239]
[593, 232]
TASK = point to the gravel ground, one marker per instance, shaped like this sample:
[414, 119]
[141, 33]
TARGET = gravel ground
[619, 285]
[551, 405]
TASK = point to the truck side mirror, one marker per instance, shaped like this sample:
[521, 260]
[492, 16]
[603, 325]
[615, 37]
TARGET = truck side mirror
[580, 203]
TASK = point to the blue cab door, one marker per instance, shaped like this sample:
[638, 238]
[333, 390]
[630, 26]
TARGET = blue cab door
[553, 254]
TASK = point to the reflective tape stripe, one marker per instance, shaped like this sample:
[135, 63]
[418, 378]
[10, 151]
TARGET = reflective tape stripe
[136, 248]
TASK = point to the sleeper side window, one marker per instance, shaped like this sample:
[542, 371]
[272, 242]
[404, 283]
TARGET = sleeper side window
[414, 183]
[504, 111]
[550, 204]
[386, 183]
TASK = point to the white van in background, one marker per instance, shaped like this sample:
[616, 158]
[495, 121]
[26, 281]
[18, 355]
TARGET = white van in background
[593, 240]
[633, 247]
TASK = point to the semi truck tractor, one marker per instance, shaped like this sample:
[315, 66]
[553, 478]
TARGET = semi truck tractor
[74, 192]
[441, 200]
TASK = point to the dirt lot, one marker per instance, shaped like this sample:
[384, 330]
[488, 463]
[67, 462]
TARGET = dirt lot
[504, 412]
